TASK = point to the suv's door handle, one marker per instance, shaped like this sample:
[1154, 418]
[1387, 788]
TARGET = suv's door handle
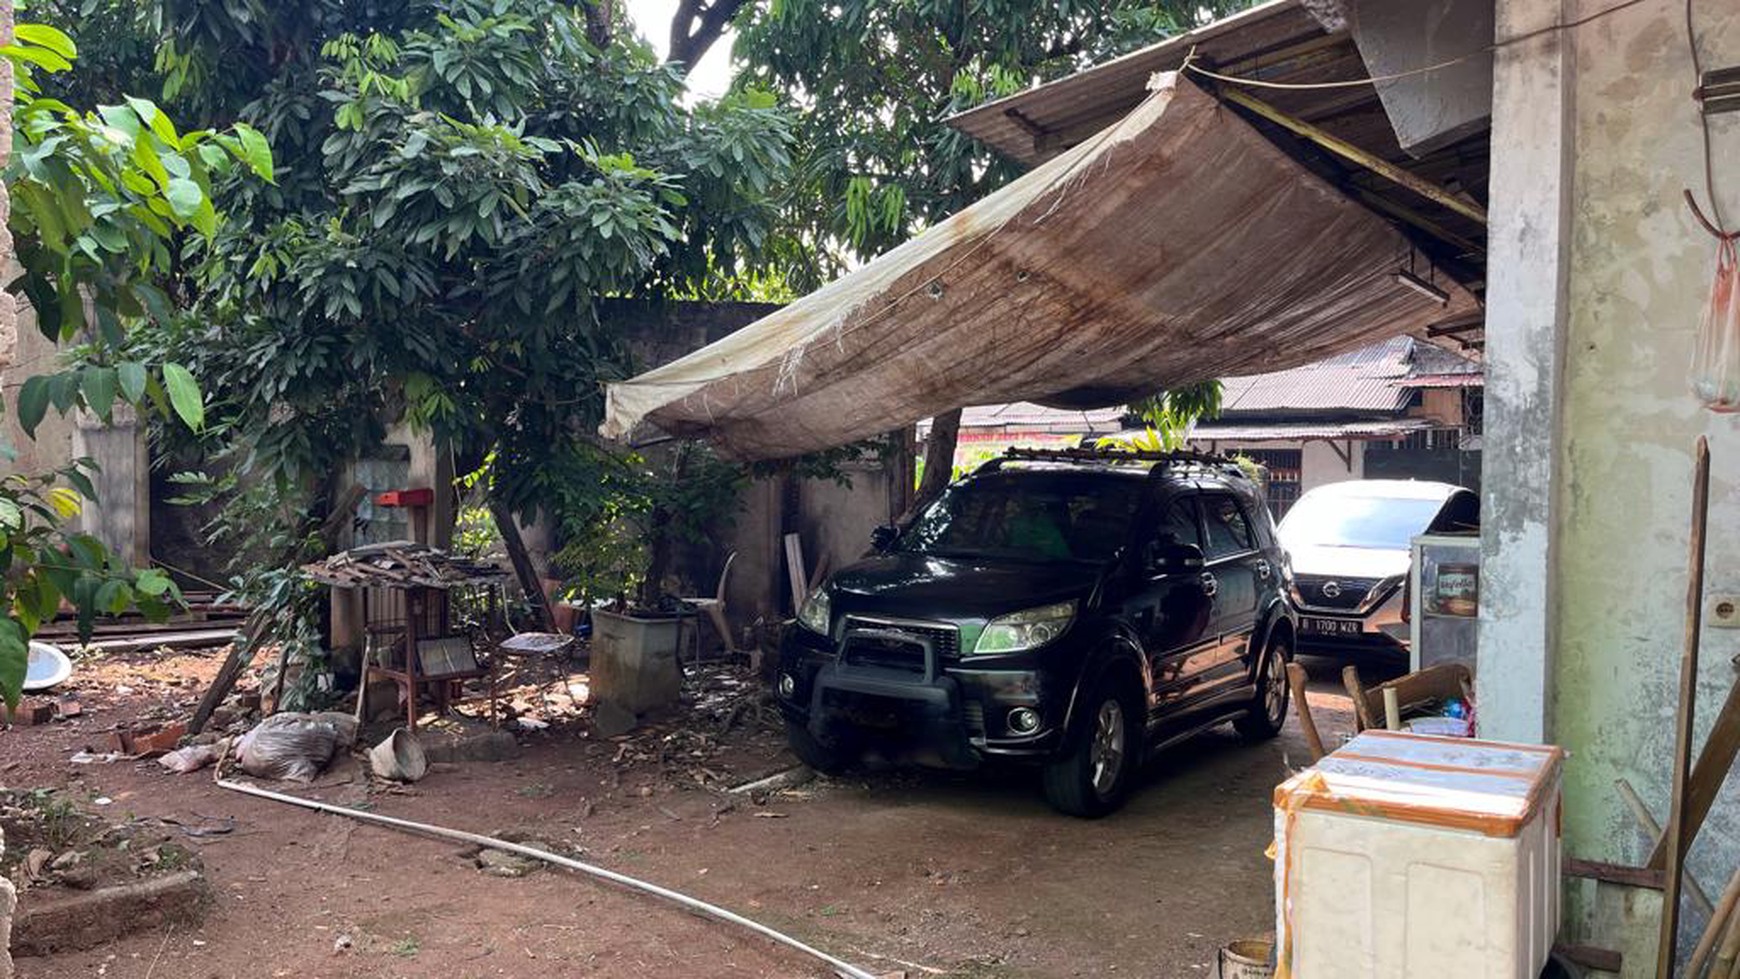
[1209, 584]
[1263, 570]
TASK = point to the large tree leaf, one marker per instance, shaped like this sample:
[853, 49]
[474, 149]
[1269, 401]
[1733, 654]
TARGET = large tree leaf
[14, 659]
[33, 399]
[184, 395]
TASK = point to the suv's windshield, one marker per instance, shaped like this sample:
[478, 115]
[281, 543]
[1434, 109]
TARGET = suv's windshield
[1356, 521]
[1028, 515]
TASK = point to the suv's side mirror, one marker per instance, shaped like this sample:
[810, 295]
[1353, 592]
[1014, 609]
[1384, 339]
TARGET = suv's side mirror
[1170, 557]
[883, 537]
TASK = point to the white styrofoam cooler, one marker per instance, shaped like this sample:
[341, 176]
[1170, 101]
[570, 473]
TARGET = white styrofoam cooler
[1402, 855]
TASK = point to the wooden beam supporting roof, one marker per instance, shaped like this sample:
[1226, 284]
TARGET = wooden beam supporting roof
[1354, 154]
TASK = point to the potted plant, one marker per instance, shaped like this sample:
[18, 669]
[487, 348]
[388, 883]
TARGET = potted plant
[622, 527]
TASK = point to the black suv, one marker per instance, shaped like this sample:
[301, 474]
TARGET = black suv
[1073, 608]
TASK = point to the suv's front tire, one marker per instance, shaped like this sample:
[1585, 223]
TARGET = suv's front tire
[829, 759]
[1093, 777]
[1269, 710]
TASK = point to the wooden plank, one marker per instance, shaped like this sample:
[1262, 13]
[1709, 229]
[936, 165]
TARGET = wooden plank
[794, 570]
[202, 639]
[1307, 724]
[1614, 873]
[228, 673]
[1674, 838]
[1714, 762]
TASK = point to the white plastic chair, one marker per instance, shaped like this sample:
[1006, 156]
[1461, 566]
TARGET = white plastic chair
[714, 609]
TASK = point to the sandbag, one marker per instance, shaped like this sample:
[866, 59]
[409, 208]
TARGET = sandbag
[291, 746]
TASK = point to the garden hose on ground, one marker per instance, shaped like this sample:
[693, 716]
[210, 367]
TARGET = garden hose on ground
[845, 969]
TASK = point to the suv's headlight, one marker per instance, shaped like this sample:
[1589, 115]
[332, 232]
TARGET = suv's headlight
[1028, 629]
[817, 612]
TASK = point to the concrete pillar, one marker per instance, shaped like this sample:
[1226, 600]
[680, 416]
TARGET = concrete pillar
[121, 516]
[1528, 257]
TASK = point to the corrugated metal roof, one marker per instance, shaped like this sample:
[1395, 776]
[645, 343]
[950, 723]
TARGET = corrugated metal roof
[1306, 431]
[1279, 41]
[1036, 124]
[1370, 380]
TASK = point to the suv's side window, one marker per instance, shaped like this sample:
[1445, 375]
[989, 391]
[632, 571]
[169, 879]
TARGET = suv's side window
[1228, 530]
[1179, 525]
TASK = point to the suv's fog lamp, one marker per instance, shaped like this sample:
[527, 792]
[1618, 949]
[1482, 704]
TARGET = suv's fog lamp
[1023, 720]
[1029, 629]
[787, 685]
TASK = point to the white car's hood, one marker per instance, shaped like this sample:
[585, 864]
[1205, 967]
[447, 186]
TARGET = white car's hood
[1349, 562]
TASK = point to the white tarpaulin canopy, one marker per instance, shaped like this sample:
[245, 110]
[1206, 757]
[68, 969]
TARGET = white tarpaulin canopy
[1176, 246]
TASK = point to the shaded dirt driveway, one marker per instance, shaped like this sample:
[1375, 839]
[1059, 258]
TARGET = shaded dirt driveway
[900, 872]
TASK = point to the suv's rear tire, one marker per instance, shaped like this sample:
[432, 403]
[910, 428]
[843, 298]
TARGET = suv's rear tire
[1269, 710]
[1092, 778]
[829, 759]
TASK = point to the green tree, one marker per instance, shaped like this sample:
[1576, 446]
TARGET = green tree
[875, 80]
[100, 201]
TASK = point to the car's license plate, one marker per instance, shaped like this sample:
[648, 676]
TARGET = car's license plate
[1331, 627]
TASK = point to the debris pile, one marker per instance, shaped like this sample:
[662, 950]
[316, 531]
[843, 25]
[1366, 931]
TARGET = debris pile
[402, 563]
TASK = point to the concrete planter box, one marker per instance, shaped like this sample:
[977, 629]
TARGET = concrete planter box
[69, 922]
[634, 661]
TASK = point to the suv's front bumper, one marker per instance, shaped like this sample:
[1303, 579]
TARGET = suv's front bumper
[946, 716]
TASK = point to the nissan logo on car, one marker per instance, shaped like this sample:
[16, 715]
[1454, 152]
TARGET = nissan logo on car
[1331, 589]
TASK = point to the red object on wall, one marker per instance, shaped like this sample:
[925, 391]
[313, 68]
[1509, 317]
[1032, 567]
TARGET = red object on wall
[423, 496]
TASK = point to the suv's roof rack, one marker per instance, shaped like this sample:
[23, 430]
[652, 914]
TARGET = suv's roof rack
[1170, 460]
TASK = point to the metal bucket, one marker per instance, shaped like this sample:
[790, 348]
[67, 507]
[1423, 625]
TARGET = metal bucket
[1247, 959]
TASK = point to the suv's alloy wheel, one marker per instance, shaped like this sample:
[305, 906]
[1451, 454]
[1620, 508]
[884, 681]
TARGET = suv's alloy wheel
[1109, 748]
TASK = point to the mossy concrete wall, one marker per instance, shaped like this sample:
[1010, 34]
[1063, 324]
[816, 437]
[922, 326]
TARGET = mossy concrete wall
[1599, 273]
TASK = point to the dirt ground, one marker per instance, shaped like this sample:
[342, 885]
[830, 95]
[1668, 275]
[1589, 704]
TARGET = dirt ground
[925, 874]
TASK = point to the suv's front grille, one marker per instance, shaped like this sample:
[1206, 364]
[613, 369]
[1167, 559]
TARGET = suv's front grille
[895, 644]
[1333, 593]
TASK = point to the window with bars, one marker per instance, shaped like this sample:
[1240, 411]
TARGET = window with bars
[1281, 469]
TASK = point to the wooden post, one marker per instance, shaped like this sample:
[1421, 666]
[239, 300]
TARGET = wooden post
[1674, 838]
[1307, 724]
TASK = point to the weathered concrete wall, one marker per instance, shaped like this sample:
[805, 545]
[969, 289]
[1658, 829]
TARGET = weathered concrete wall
[1639, 272]
[1598, 274]
[32, 353]
[1320, 464]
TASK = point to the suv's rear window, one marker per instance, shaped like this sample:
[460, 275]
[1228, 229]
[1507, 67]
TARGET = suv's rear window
[1028, 516]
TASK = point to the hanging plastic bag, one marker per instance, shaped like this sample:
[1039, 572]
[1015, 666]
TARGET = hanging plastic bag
[1716, 359]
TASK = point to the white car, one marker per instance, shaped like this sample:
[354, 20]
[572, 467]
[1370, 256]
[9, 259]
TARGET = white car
[1349, 547]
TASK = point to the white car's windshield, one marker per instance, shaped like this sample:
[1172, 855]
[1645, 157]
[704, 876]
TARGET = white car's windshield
[1385, 523]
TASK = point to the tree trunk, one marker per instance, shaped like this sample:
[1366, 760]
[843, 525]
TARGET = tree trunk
[521, 559]
[939, 457]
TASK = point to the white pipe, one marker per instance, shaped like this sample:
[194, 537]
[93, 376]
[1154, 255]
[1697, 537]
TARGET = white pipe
[846, 969]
